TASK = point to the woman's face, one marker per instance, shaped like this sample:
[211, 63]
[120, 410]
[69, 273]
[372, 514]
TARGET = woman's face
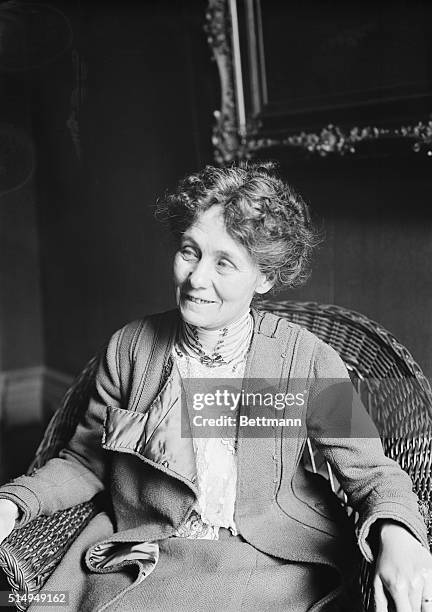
[215, 278]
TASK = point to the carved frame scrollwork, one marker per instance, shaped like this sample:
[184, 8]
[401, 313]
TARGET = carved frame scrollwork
[228, 138]
[237, 135]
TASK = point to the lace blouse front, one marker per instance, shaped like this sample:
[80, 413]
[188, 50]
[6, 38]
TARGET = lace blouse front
[216, 457]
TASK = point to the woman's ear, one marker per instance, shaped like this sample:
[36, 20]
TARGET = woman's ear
[265, 283]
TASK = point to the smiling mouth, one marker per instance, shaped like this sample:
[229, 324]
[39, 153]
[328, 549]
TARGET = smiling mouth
[195, 300]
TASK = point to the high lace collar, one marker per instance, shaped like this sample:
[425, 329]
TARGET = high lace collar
[217, 347]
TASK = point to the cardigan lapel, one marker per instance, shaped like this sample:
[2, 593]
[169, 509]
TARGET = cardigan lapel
[160, 435]
[155, 427]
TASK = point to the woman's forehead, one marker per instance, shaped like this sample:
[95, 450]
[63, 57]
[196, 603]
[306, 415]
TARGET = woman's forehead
[210, 219]
[209, 230]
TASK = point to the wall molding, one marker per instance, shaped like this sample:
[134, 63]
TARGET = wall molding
[31, 395]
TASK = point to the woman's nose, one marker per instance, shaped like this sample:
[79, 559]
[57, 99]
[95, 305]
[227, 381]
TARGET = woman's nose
[200, 275]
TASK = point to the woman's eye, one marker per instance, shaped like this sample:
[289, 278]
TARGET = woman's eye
[224, 264]
[188, 253]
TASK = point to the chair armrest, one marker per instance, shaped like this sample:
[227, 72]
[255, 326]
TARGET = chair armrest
[425, 508]
[30, 554]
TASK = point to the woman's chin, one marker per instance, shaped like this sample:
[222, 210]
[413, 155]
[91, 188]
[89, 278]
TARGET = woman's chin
[193, 315]
[192, 318]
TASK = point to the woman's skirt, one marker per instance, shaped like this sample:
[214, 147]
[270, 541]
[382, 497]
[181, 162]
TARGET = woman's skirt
[194, 575]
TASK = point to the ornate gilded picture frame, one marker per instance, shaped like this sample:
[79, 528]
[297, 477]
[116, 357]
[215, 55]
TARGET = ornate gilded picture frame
[343, 80]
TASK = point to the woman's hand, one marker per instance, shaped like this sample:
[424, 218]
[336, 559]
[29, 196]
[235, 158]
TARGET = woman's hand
[8, 516]
[403, 571]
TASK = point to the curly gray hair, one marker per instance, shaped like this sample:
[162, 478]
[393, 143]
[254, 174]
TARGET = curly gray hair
[261, 212]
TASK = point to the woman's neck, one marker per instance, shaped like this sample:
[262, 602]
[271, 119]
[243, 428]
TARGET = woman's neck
[215, 347]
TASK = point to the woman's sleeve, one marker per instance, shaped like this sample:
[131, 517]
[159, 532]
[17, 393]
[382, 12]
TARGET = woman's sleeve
[78, 473]
[376, 486]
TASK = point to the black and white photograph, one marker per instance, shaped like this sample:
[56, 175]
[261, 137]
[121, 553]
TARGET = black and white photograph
[216, 306]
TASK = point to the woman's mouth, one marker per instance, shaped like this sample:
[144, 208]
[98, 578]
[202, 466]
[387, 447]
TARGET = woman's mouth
[196, 300]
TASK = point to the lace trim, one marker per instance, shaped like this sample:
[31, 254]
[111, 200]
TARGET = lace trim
[216, 460]
[196, 529]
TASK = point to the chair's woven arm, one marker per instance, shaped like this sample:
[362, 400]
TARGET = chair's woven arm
[366, 585]
[425, 508]
[29, 555]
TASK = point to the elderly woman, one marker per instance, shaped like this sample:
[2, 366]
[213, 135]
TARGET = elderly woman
[219, 522]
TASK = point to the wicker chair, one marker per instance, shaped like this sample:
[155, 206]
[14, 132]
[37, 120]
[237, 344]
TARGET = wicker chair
[393, 387]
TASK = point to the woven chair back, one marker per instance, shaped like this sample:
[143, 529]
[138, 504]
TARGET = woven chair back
[65, 420]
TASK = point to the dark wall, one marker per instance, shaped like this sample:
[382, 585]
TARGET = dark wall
[378, 250]
[21, 341]
[21, 334]
[145, 121]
